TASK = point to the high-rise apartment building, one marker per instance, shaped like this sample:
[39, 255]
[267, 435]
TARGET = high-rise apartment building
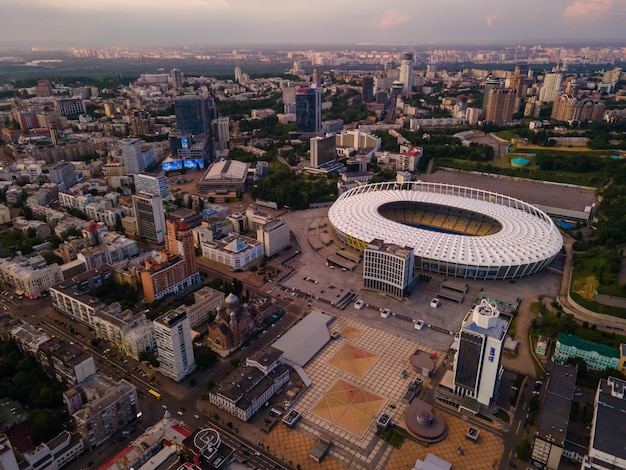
[176, 78]
[309, 110]
[150, 217]
[155, 185]
[491, 84]
[316, 80]
[194, 113]
[501, 105]
[367, 89]
[132, 156]
[477, 368]
[551, 87]
[222, 133]
[173, 337]
[180, 242]
[406, 72]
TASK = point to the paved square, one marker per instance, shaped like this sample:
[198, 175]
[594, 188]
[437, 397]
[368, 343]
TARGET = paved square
[353, 360]
[349, 406]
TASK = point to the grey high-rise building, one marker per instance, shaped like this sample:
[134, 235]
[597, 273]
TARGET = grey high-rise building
[367, 90]
[309, 110]
[132, 156]
[406, 72]
[64, 175]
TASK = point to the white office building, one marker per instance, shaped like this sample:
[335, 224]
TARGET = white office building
[150, 217]
[234, 251]
[155, 185]
[173, 338]
[274, 235]
[388, 268]
[477, 362]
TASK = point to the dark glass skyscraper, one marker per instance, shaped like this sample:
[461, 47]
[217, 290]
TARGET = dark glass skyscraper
[368, 89]
[194, 113]
[309, 110]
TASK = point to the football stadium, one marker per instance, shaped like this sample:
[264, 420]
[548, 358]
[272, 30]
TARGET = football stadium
[453, 230]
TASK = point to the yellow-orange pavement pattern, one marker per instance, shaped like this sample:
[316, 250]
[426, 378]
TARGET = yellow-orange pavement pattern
[350, 332]
[484, 455]
[353, 360]
[349, 406]
[293, 447]
[356, 450]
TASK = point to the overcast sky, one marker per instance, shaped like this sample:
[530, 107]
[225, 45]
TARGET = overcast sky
[255, 22]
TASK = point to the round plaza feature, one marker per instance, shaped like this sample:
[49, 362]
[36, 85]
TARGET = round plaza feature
[453, 230]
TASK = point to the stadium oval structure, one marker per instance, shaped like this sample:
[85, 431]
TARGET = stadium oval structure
[454, 230]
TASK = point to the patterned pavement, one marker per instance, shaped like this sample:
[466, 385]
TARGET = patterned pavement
[355, 378]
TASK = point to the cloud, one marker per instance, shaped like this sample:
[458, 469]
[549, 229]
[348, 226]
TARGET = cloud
[497, 15]
[392, 18]
[125, 5]
[583, 9]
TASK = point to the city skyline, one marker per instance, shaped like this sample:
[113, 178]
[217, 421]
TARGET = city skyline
[241, 22]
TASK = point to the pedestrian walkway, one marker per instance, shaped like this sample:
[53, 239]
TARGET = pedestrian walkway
[355, 379]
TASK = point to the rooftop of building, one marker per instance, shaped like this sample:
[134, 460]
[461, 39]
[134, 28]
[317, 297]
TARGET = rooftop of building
[227, 170]
[10, 412]
[170, 318]
[585, 345]
[306, 338]
[167, 429]
[67, 353]
[266, 356]
[498, 330]
[554, 418]
[101, 392]
[391, 248]
[247, 384]
[610, 427]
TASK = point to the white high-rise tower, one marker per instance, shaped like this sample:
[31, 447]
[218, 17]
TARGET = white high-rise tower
[551, 86]
[406, 72]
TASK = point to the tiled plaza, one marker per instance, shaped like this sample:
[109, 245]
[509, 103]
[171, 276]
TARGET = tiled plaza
[354, 379]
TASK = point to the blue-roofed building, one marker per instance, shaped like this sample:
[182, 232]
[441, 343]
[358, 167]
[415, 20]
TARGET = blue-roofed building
[477, 362]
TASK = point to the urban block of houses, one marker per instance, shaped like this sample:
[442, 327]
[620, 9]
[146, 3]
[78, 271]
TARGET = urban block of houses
[248, 388]
[101, 406]
[30, 276]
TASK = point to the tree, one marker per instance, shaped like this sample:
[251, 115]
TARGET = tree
[522, 449]
[43, 425]
[235, 361]
[204, 356]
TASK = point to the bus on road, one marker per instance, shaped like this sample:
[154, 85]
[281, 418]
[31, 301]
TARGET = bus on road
[155, 394]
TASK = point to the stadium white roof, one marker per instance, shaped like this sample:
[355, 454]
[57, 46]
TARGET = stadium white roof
[527, 235]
